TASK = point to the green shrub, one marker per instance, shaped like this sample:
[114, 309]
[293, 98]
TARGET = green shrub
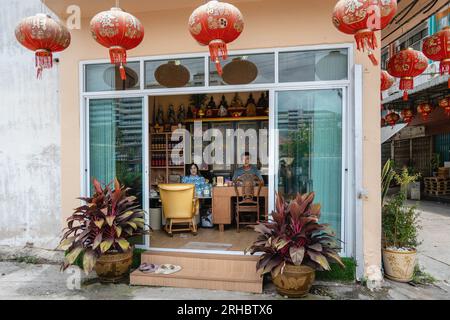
[400, 223]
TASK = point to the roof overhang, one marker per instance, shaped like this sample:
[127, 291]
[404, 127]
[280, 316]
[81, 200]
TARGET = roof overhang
[89, 8]
[410, 14]
[436, 87]
[388, 131]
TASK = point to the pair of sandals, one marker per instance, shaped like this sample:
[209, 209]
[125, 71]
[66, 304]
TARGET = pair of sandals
[159, 269]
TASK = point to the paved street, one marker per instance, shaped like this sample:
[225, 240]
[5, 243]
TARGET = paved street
[45, 281]
[434, 253]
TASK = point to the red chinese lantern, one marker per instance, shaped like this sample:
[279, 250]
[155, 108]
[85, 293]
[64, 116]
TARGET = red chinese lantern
[437, 48]
[362, 18]
[387, 81]
[407, 115]
[44, 35]
[392, 118]
[445, 104]
[425, 110]
[119, 31]
[215, 24]
[406, 65]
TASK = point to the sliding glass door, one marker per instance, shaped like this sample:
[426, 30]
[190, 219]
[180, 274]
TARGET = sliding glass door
[115, 143]
[309, 148]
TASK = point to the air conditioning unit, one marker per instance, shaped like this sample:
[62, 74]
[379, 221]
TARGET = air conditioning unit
[410, 133]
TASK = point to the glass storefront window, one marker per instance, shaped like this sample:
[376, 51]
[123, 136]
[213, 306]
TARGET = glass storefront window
[265, 64]
[106, 77]
[323, 65]
[115, 141]
[309, 125]
[116, 145]
[196, 67]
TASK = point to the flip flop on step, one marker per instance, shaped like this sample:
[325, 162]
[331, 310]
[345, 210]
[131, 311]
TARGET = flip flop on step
[148, 267]
[168, 269]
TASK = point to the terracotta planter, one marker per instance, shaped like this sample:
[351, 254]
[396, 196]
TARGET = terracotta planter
[399, 265]
[295, 282]
[113, 267]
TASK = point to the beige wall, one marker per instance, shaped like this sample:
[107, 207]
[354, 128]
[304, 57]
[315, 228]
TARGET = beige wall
[269, 23]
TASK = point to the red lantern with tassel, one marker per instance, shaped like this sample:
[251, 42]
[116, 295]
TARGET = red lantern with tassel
[44, 35]
[437, 48]
[215, 24]
[362, 18]
[406, 65]
[407, 115]
[387, 81]
[425, 110]
[392, 118]
[119, 31]
[445, 104]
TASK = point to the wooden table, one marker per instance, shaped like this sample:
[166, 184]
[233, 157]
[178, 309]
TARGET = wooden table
[222, 208]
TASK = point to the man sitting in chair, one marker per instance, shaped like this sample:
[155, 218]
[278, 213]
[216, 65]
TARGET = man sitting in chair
[247, 168]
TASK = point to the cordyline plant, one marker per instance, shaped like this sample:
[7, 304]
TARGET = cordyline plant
[295, 237]
[103, 225]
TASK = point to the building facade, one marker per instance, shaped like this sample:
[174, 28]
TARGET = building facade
[288, 41]
[423, 145]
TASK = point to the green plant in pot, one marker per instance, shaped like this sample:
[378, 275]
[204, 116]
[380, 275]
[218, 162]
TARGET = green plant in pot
[294, 245]
[99, 232]
[405, 179]
[400, 232]
[400, 226]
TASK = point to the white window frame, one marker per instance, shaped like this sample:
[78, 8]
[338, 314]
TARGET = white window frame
[348, 178]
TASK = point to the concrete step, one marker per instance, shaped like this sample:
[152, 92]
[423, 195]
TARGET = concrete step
[202, 271]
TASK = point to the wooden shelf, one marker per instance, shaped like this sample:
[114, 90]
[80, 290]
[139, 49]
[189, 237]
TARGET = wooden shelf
[229, 119]
[164, 154]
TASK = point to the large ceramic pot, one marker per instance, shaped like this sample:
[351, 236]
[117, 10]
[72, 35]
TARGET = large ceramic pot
[295, 282]
[399, 265]
[114, 267]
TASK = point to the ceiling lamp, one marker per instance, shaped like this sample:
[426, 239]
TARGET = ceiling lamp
[362, 18]
[43, 35]
[437, 48]
[215, 24]
[119, 31]
[406, 65]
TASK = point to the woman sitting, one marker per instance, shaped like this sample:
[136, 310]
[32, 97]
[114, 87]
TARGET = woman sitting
[194, 178]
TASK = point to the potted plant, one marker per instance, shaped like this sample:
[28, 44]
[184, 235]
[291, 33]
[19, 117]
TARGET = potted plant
[294, 245]
[400, 231]
[400, 225]
[405, 179]
[99, 232]
[435, 163]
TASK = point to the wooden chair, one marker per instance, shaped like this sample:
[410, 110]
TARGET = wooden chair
[247, 198]
[179, 206]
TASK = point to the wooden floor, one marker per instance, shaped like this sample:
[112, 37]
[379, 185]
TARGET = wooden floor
[229, 240]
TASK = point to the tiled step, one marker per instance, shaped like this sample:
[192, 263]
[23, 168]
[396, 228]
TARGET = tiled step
[202, 271]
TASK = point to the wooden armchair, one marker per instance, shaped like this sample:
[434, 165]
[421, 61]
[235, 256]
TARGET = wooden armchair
[179, 206]
[248, 189]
